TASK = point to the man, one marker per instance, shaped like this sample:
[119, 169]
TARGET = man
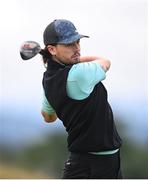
[75, 94]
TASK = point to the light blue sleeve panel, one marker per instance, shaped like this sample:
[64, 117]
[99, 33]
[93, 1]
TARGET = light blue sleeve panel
[46, 107]
[82, 78]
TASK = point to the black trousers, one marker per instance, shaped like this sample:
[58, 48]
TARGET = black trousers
[89, 166]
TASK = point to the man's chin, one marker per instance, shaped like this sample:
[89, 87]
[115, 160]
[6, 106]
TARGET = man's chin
[76, 60]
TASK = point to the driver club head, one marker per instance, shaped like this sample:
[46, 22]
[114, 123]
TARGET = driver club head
[29, 49]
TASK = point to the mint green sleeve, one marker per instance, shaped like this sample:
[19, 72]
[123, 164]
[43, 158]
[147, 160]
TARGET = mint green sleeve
[82, 78]
[46, 107]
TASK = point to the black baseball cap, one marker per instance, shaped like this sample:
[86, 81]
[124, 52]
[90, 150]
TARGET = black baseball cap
[61, 31]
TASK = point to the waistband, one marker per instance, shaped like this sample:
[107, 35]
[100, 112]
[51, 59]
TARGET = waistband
[105, 152]
[101, 153]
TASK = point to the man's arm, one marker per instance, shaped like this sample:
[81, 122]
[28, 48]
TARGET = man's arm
[105, 64]
[47, 111]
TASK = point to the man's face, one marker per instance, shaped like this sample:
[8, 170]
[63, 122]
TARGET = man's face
[67, 54]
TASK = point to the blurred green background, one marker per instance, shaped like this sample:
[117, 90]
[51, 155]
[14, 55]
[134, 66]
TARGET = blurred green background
[45, 159]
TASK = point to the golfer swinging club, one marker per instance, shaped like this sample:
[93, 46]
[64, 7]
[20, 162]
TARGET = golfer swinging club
[74, 93]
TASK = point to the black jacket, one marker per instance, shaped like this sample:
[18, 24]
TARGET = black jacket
[89, 122]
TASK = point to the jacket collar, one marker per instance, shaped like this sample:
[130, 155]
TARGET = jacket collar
[55, 65]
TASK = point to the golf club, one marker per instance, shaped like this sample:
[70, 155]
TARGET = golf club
[29, 49]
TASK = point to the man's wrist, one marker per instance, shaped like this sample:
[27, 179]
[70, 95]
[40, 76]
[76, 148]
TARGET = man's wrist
[88, 58]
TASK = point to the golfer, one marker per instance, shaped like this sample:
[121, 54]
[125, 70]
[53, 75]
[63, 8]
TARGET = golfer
[74, 93]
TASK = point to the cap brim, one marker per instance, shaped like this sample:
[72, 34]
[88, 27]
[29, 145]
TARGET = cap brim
[72, 39]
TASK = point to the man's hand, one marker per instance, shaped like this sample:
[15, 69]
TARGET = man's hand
[102, 61]
[105, 64]
[49, 118]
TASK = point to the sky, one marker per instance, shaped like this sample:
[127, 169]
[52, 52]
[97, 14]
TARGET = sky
[118, 30]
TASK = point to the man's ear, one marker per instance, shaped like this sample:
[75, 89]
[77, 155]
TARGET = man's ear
[51, 49]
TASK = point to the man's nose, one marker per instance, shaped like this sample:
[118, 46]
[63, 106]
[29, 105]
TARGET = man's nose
[77, 46]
